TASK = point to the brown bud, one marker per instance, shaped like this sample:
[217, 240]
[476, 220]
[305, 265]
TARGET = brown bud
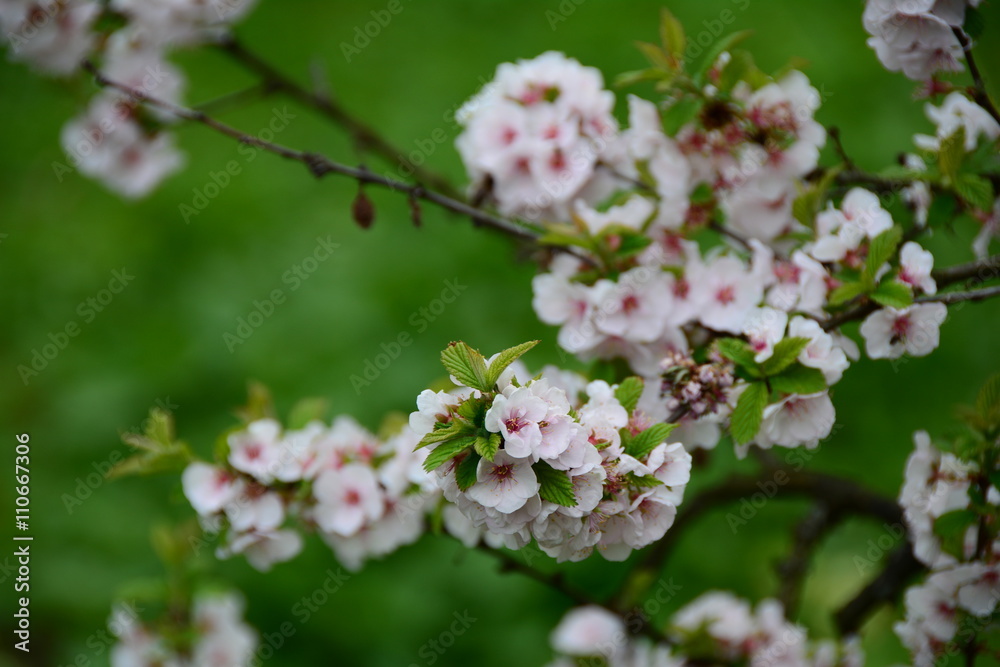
[363, 210]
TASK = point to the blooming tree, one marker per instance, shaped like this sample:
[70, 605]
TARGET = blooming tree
[701, 257]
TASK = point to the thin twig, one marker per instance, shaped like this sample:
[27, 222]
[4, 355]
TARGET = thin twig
[979, 93]
[957, 297]
[364, 136]
[320, 165]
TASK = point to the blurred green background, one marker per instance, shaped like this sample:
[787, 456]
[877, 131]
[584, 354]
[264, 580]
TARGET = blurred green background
[161, 340]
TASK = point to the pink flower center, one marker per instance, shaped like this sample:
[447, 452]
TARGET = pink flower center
[726, 295]
[515, 423]
[630, 304]
[900, 326]
[253, 452]
[352, 497]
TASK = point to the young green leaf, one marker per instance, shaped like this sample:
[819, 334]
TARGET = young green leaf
[629, 391]
[715, 50]
[466, 364]
[643, 481]
[487, 446]
[446, 451]
[952, 153]
[465, 471]
[798, 379]
[893, 294]
[672, 36]
[556, 486]
[643, 443]
[442, 432]
[786, 351]
[505, 359]
[749, 413]
[881, 250]
[951, 528]
[737, 351]
[846, 292]
[975, 190]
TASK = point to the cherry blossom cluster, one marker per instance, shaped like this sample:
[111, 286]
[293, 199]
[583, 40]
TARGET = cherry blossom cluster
[212, 633]
[915, 36]
[573, 465]
[365, 496]
[951, 504]
[717, 628]
[116, 140]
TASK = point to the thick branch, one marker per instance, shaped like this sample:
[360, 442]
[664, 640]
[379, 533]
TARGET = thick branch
[957, 297]
[808, 534]
[365, 137]
[980, 271]
[900, 568]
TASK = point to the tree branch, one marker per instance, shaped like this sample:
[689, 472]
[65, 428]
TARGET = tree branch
[980, 270]
[899, 569]
[808, 534]
[320, 165]
[979, 93]
[957, 297]
[365, 137]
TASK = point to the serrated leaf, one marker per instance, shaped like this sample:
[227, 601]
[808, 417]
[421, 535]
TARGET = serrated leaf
[737, 351]
[171, 458]
[952, 153]
[556, 486]
[881, 249]
[798, 379]
[505, 359]
[951, 528]
[307, 410]
[643, 443]
[446, 451]
[846, 292]
[487, 445]
[749, 412]
[465, 471]
[643, 481]
[441, 433]
[975, 190]
[715, 50]
[893, 294]
[466, 364]
[629, 391]
[672, 36]
[786, 351]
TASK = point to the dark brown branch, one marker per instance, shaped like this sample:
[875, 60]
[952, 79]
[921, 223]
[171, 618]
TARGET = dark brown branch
[838, 147]
[364, 136]
[980, 271]
[808, 534]
[979, 93]
[320, 166]
[900, 568]
[950, 298]
[557, 582]
[858, 312]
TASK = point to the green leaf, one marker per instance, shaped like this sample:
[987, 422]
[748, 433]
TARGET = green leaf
[638, 76]
[446, 451]
[952, 153]
[655, 55]
[643, 481]
[735, 70]
[786, 351]
[881, 249]
[465, 471]
[505, 359]
[643, 443]
[556, 486]
[749, 412]
[629, 242]
[466, 364]
[487, 446]
[307, 410]
[715, 50]
[441, 433]
[259, 405]
[975, 190]
[629, 391]
[846, 292]
[988, 400]
[737, 351]
[798, 379]
[951, 528]
[672, 36]
[473, 410]
[893, 294]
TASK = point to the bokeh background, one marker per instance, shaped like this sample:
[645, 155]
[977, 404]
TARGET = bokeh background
[160, 342]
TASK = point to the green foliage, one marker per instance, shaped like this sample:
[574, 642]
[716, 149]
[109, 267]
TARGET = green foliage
[158, 451]
[447, 450]
[749, 413]
[466, 364]
[798, 379]
[465, 471]
[629, 391]
[951, 528]
[893, 294]
[556, 486]
[505, 359]
[640, 445]
[785, 352]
